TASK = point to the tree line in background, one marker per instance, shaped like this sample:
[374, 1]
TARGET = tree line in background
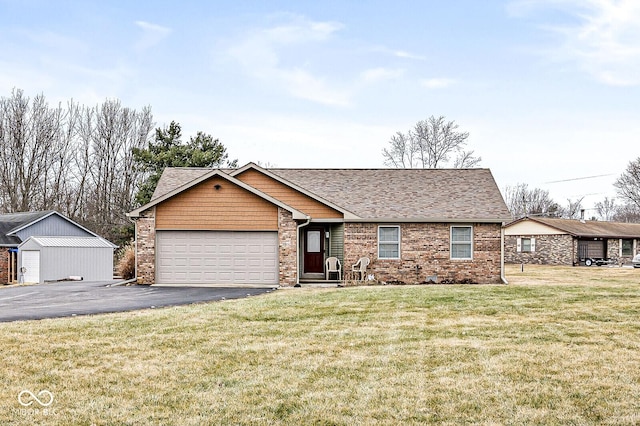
[92, 164]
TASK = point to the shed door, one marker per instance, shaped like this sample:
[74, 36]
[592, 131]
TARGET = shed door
[216, 257]
[31, 262]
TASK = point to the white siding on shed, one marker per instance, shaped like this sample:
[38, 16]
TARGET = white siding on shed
[62, 257]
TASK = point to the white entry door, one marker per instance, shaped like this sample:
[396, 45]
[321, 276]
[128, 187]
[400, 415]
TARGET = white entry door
[31, 263]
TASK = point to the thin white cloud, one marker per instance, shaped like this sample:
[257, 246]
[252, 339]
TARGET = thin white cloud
[152, 34]
[263, 52]
[602, 36]
[437, 83]
[375, 75]
[408, 55]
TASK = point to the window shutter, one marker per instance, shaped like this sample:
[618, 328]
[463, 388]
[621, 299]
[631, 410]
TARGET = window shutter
[519, 244]
[533, 244]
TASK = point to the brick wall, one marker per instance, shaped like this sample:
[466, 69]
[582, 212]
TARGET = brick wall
[146, 247]
[425, 251]
[549, 250]
[613, 248]
[4, 266]
[287, 242]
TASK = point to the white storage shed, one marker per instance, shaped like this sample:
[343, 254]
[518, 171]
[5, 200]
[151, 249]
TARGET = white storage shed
[43, 259]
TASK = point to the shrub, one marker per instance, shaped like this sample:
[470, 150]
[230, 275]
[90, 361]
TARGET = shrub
[126, 266]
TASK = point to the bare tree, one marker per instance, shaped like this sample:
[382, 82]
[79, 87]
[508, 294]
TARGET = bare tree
[628, 184]
[573, 209]
[430, 144]
[73, 159]
[606, 208]
[629, 213]
[109, 133]
[28, 137]
[523, 201]
[402, 151]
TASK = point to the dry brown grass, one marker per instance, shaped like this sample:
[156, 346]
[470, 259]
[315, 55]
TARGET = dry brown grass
[543, 350]
[126, 266]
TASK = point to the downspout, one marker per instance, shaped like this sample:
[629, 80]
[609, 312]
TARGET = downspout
[502, 277]
[298, 248]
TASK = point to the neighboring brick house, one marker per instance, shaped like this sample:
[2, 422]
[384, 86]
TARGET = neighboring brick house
[278, 226]
[554, 241]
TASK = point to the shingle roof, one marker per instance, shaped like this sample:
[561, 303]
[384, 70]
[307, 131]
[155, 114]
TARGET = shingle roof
[592, 228]
[391, 194]
[425, 194]
[12, 221]
[175, 177]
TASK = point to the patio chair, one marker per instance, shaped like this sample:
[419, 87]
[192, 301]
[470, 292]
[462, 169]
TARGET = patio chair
[332, 264]
[361, 267]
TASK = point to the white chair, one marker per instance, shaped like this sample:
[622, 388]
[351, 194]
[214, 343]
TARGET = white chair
[361, 267]
[332, 264]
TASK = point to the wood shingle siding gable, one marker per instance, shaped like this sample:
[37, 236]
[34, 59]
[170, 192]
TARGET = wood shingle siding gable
[229, 208]
[288, 195]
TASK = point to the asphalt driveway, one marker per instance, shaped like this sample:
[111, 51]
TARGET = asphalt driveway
[65, 299]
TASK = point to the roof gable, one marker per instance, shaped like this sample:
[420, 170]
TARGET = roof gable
[205, 174]
[291, 193]
[12, 225]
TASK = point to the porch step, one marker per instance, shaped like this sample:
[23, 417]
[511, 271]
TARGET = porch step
[319, 283]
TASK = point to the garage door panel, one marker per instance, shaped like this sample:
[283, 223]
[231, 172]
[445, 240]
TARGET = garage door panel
[217, 257]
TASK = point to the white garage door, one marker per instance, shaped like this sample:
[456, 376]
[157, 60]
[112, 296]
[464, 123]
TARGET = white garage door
[31, 263]
[216, 257]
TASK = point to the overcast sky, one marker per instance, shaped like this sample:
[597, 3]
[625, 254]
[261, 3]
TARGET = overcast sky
[549, 90]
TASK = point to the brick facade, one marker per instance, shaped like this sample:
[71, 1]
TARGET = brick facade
[425, 251]
[287, 252]
[4, 266]
[549, 250]
[146, 247]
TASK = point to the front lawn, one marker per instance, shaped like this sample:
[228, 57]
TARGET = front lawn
[556, 346]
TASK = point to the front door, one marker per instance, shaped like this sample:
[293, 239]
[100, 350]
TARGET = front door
[314, 251]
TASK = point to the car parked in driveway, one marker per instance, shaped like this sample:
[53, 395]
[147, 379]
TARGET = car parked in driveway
[636, 261]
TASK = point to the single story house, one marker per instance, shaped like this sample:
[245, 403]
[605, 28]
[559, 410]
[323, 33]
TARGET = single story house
[17, 228]
[254, 225]
[554, 241]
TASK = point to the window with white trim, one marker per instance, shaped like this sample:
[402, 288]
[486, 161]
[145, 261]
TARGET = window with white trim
[388, 242]
[461, 242]
[526, 244]
[626, 247]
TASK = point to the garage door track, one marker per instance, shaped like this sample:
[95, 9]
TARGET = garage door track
[65, 299]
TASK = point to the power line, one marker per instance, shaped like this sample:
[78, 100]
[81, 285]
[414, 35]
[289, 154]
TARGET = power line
[579, 178]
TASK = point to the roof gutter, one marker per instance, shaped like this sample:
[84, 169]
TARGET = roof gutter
[423, 220]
